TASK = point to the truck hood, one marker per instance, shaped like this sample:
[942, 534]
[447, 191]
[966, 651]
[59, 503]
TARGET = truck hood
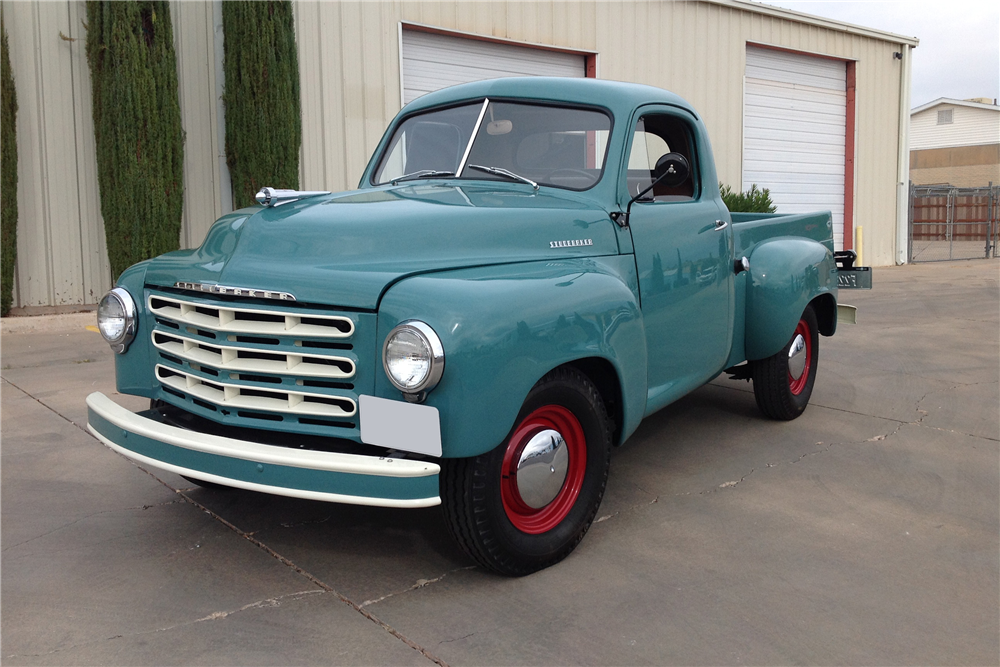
[346, 249]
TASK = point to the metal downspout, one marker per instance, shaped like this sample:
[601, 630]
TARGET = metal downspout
[903, 158]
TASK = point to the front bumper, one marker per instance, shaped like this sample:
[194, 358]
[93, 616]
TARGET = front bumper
[329, 476]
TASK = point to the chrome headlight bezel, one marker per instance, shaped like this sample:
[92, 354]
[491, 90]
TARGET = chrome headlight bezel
[127, 303]
[434, 349]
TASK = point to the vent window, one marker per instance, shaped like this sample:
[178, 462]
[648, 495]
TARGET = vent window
[945, 116]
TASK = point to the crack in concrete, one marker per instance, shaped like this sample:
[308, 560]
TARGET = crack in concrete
[456, 639]
[918, 422]
[290, 524]
[315, 580]
[630, 508]
[214, 616]
[249, 537]
[47, 406]
[84, 518]
[421, 583]
[729, 485]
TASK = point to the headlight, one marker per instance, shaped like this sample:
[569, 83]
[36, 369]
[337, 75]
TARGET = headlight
[116, 319]
[413, 357]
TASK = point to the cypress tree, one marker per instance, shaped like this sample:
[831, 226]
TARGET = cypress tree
[263, 122]
[137, 125]
[8, 177]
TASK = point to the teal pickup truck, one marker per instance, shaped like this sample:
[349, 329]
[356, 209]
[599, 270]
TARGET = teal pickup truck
[528, 269]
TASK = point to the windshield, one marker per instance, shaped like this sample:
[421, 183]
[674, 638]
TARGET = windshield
[562, 147]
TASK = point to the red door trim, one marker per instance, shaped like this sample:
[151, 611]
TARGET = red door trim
[849, 149]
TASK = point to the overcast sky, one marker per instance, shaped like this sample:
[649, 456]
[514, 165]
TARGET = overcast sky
[959, 51]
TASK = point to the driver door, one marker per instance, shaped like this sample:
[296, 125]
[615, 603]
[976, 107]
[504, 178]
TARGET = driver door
[684, 261]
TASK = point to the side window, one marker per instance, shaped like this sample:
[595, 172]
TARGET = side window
[656, 135]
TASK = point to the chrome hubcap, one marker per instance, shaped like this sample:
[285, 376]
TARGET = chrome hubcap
[797, 357]
[542, 468]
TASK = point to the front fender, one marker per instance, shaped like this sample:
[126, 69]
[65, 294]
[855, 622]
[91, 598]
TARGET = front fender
[504, 327]
[134, 368]
[785, 275]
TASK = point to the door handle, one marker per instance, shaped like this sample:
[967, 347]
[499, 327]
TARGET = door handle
[720, 225]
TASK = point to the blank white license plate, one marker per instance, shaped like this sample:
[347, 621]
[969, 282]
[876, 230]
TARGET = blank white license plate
[409, 427]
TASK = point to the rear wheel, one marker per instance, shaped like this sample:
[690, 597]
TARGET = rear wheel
[526, 504]
[783, 383]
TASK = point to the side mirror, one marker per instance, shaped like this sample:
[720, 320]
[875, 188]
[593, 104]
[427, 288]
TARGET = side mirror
[672, 169]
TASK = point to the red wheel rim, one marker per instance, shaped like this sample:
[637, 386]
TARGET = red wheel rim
[529, 519]
[796, 385]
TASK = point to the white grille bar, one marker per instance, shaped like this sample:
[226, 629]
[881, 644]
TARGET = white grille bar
[238, 397]
[249, 321]
[239, 359]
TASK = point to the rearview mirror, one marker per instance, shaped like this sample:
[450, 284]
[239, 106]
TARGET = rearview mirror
[672, 169]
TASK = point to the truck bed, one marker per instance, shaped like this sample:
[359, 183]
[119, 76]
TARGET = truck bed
[749, 229]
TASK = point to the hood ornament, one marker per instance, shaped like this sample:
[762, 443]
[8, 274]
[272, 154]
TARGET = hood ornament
[271, 197]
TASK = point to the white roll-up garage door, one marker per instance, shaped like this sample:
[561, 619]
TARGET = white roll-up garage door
[794, 131]
[432, 61]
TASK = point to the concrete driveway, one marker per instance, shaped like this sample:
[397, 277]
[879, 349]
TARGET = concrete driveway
[865, 532]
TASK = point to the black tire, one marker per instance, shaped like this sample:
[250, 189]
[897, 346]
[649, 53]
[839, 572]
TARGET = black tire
[485, 512]
[779, 394]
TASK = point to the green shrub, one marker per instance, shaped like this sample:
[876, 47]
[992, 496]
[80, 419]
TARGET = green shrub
[8, 178]
[137, 125]
[754, 200]
[263, 121]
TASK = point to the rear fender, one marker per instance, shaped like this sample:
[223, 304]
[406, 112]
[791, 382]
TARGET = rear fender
[504, 327]
[786, 274]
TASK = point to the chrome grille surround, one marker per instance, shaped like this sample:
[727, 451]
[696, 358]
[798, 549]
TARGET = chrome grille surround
[276, 366]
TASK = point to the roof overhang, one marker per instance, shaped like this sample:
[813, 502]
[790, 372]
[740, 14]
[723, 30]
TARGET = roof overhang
[818, 21]
[957, 103]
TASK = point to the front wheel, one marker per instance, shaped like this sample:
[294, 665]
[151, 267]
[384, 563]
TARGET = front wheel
[526, 504]
[783, 383]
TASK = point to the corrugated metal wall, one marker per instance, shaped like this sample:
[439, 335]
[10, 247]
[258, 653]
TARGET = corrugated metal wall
[969, 127]
[349, 61]
[61, 254]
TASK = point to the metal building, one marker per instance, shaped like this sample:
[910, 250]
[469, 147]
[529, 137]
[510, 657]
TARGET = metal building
[814, 109]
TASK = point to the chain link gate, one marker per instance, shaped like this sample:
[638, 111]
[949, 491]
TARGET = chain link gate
[953, 223]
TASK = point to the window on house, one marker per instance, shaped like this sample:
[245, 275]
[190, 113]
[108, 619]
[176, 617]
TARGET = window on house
[945, 116]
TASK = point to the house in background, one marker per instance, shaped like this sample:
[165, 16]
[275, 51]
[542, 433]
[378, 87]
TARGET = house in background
[955, 142]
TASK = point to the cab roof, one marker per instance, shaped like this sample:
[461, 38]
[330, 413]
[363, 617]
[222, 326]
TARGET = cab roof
[617, 96]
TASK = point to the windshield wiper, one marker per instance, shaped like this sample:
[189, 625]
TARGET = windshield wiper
[498, 171]
[423, 173]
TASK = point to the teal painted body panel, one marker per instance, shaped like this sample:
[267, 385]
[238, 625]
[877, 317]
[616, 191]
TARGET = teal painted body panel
[270, 474]
[134, 368]
[686, 284]
[504, 327]
[515, 280]
[785, 275]
[345, 249]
